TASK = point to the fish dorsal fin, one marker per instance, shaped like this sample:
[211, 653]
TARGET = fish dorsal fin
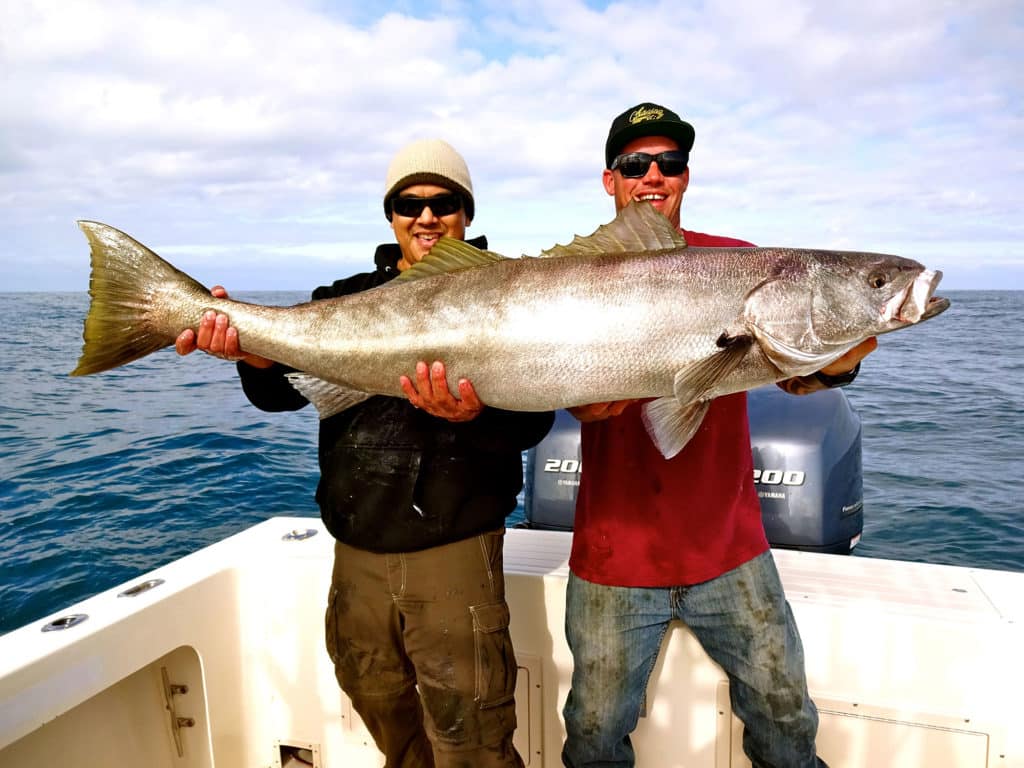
[449, 254]
[638, 228]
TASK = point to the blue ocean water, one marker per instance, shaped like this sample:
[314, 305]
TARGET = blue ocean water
[105, 477]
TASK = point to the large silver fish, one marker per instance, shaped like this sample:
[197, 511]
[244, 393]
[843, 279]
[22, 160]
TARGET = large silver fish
[628, 312]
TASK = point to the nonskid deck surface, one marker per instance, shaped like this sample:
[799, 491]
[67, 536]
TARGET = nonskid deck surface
[907, 662]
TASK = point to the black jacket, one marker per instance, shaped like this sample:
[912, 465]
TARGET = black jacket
[395, 479]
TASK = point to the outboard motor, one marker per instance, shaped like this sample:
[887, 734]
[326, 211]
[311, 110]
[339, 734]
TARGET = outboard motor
[807, 470]
[553, 476]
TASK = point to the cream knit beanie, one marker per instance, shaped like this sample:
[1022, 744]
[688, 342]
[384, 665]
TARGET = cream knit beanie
[428, 161]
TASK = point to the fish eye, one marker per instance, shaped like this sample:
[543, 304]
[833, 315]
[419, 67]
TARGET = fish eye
[878, 280]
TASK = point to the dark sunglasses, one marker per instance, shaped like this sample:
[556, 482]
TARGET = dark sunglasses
[440, 205]
[636, 164]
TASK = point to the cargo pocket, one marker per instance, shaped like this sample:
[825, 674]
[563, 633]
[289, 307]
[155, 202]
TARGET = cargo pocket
[495, 660]
[331, 626]
[331, 636]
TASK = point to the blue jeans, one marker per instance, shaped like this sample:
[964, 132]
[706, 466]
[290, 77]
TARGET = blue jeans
[742, 620]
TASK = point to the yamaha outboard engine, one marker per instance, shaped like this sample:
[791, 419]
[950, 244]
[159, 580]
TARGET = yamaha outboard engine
[553, 476]
[807, 469]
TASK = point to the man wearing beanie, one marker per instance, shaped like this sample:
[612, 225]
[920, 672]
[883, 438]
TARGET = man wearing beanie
[415, 493]
[657, 540]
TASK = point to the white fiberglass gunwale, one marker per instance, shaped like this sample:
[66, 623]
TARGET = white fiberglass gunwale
[910, 664]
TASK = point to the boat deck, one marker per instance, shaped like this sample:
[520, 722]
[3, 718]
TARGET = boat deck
[910, 664]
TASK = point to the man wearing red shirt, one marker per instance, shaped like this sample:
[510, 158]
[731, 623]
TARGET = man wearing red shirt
[657, 540]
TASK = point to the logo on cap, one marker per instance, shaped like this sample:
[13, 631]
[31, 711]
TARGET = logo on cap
[642, 114]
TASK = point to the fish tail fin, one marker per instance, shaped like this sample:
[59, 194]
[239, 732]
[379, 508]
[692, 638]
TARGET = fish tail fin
[123, 322]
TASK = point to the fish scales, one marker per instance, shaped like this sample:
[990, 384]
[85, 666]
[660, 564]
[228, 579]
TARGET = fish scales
[617, 315]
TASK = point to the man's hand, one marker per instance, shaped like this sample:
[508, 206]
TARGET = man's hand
[804, 385]
[600, 411]
[431, 394]
[217, 337]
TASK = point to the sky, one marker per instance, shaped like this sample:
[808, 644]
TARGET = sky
[247, 141]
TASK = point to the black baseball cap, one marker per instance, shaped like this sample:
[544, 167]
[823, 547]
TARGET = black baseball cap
[646, 119]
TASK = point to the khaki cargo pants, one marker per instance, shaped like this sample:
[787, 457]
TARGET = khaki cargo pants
[420, 644]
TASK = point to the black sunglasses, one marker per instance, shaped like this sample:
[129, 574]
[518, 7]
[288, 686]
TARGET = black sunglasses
[636, 164]
[440, 205]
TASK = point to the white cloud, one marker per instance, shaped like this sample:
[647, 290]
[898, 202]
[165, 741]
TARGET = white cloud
[854, 124]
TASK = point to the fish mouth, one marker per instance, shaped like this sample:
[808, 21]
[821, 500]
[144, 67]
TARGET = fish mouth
[936, 306]
[918, 301]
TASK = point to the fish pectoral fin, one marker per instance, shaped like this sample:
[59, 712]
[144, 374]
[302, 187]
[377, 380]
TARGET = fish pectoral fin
[449, 254]
[639, 228]
[670, 425]
[699, 380]
[672, 421]
[328, 399]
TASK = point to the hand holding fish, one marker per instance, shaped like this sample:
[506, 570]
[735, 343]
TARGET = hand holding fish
[431, 393]
[600, 411]
[217, 337]
[805, 385]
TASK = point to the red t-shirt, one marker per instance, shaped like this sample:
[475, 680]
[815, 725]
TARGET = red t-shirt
[646, 521]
